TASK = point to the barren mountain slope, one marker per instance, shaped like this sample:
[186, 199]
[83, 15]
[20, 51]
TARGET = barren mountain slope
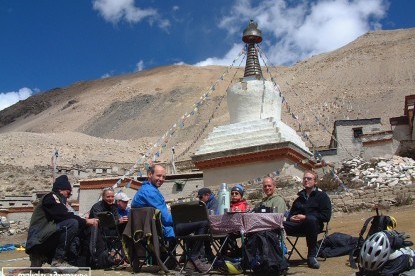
[115, 119]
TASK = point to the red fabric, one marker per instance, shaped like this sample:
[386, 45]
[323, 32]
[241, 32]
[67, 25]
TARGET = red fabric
[240, 206]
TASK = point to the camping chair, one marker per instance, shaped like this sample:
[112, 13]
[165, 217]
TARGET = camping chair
[188, 212]
[108, 227]
[144, 240]
[293, 244]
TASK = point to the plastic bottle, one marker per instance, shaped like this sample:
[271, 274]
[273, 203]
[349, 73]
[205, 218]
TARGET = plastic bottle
[224, 199]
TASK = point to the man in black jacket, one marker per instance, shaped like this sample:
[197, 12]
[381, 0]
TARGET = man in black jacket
[53, 220]
[308, 213]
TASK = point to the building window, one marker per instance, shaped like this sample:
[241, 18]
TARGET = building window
[11, 203]
[357, 132]
[179, 186]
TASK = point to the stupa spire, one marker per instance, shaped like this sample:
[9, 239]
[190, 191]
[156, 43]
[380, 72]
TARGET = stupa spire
[251, 36]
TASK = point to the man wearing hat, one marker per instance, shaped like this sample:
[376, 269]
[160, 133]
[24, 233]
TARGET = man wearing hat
[206, 195]
[238, 203]
[53, 227]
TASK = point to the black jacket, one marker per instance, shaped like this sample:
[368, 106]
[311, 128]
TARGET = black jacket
[317, 205]
[54, 205]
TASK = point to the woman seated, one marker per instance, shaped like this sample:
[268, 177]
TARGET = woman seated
[238, 203]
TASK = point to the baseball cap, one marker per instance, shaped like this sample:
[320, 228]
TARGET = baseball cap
[204, 191]
[122, 196]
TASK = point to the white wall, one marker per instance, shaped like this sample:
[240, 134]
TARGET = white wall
[243, 172]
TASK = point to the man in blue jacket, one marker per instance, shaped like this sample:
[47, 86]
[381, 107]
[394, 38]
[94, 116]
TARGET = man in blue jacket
[308, 213]
[206, 195]
[150, 196]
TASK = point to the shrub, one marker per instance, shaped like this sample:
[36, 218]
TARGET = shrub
[403, 199]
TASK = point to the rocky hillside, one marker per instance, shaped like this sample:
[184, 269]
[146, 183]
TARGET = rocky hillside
[117, 119]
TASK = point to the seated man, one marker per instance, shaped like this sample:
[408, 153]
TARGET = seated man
[238, 203]
[272, 200]
[308, 213]
[150, 196]
[206, 195]
[53, 228]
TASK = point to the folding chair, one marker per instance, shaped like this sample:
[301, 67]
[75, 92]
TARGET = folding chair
[189, 212]
[293, 244]
[108, 227]
[144, 240]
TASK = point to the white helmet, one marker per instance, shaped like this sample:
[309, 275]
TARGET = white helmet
[375, 252]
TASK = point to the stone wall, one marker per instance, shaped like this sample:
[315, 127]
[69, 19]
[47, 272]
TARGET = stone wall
[364, 199]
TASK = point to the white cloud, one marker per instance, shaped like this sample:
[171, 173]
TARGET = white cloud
[296, 31]
[115, 11]
[226, 60]
[10, 98]
[139, 66]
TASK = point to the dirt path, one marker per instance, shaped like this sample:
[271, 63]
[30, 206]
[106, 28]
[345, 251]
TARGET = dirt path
[344, 223]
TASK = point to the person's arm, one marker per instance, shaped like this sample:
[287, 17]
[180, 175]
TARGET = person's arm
[57, 211]
[281, 205]
[153, 198]
[325, 208]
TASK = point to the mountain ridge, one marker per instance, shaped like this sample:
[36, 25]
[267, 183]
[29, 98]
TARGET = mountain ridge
[119, 118]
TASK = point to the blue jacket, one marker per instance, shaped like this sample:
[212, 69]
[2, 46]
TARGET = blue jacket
[212, 203]
[150, 196]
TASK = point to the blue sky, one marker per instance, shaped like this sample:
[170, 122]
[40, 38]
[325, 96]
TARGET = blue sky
[47, 44]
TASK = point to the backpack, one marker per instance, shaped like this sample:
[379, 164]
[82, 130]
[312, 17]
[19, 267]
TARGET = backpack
[337, 244]
[379, 223]
[263, 253]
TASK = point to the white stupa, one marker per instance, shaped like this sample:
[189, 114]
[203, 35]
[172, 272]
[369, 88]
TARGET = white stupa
[256, 142]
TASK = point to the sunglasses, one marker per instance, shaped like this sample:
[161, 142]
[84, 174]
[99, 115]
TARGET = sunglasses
[108, 189]
[234, 193]
[308, 178]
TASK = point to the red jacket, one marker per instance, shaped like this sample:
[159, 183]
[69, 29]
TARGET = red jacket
[240, 206]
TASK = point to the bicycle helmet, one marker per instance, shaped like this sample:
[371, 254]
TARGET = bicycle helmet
[375, 252]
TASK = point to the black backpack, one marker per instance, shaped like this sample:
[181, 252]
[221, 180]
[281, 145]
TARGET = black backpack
[263, 253]
[337, 244]
[379, 223]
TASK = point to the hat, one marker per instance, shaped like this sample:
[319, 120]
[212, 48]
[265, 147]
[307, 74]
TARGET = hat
[239, 188]
[204, 191]
[61, 183]
[121, 196]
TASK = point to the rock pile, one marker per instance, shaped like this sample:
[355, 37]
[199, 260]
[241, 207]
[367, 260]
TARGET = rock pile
[378, 172]
[13, 228]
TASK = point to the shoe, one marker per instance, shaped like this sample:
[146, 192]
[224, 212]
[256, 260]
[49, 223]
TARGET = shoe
[36, 260]
[63, 267]
[313, 263]
[200, 266]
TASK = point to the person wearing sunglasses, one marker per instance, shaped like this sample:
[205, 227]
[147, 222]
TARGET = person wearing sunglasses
[238, 203]
[206, 195]
[307, 214]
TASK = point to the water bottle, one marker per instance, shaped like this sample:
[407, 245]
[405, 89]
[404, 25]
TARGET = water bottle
[224, 199]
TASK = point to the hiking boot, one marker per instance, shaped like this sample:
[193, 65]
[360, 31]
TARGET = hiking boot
[200, 266]
[63, 267]
[36, 260]
[313, 263]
